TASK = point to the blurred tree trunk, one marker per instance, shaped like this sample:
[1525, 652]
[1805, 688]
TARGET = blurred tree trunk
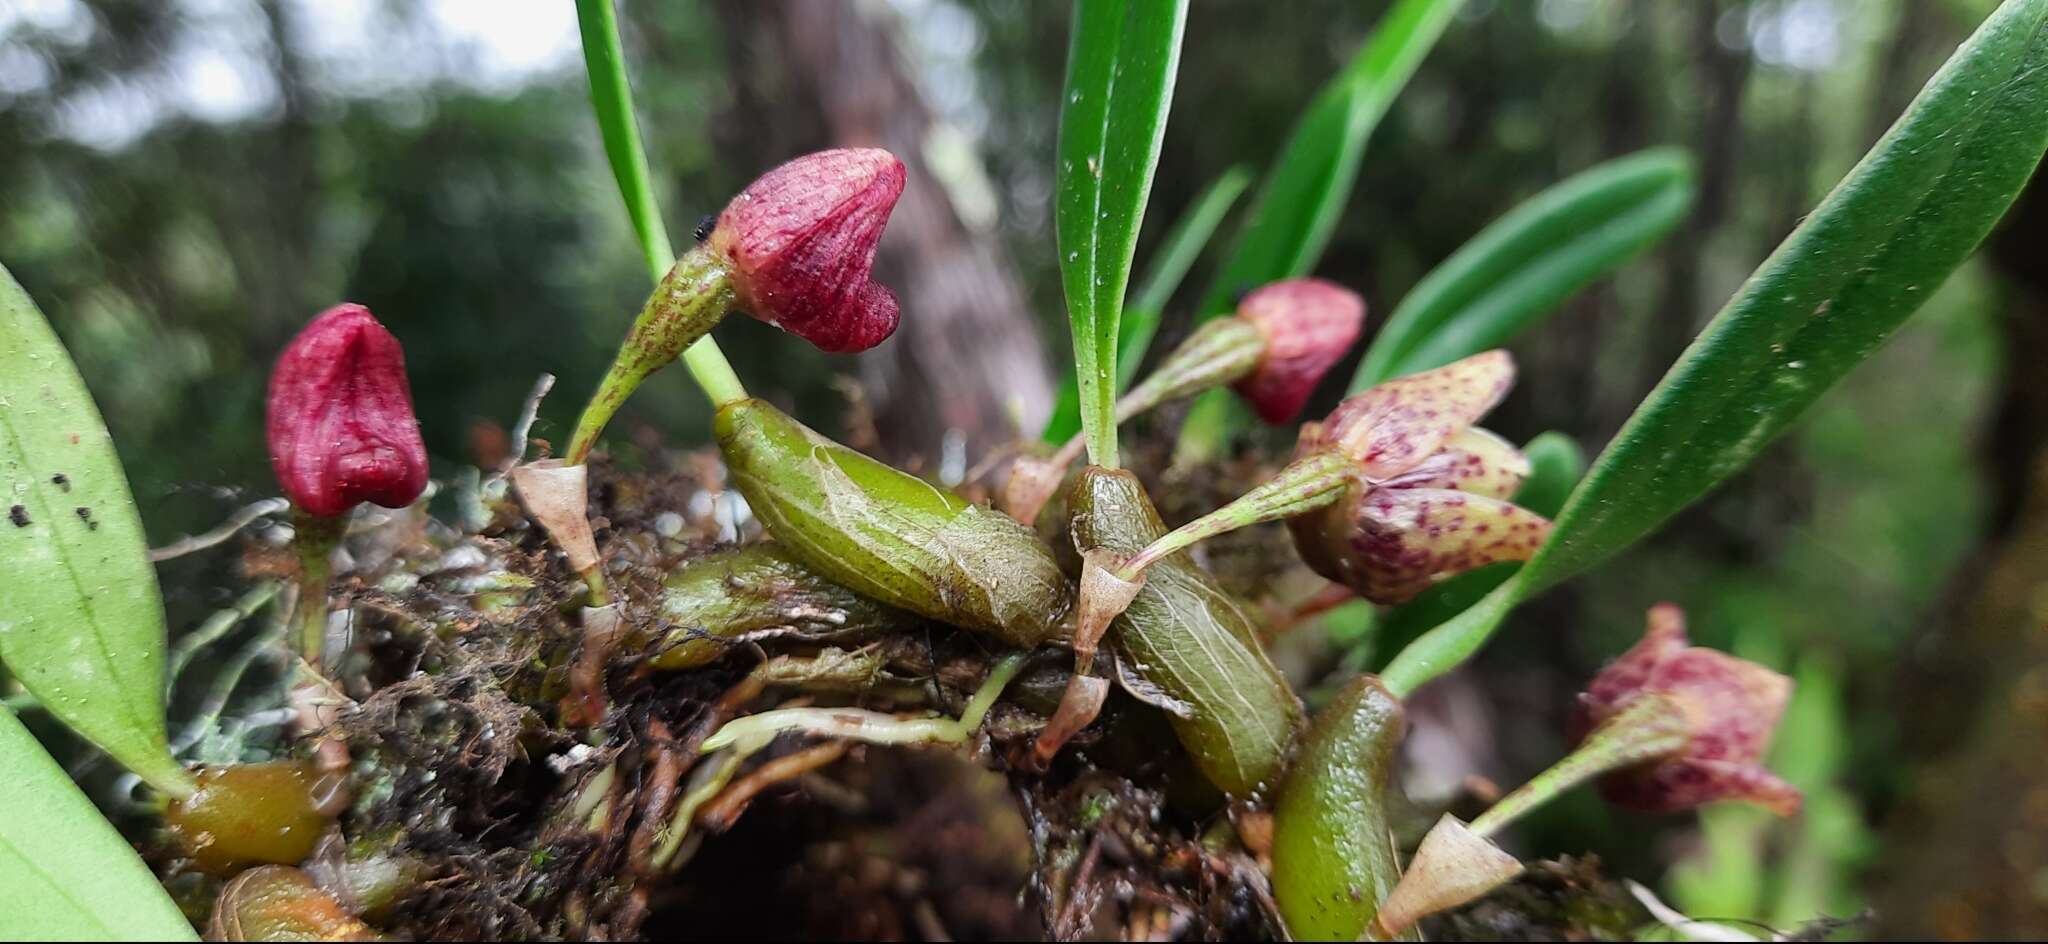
[1968, 844]
[967, 357]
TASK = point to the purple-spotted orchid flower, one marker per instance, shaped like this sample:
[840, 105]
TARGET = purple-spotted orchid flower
[1427, 491]
[1667, 727]
[1727, 706]
[1394, 492]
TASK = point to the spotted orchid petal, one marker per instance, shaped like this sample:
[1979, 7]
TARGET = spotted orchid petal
[1389, 544]
[1393, 427]
[1475, 461]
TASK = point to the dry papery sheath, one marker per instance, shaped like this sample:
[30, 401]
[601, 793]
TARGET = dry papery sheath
[801, 243]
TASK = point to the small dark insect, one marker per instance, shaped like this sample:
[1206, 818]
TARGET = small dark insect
[61, 481]
[704, 227]
[18, 515]
[85, 515]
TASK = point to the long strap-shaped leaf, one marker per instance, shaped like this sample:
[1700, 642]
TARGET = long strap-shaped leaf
[81, 624]
[65, 874]
[1529, 261]
[1888, 235]
[1121, 64]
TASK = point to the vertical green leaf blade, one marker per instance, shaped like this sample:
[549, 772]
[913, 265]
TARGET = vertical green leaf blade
[81, 624]
[1889, 234]
[611, 97]
[1177, 253]
[1303, 196]
[1120, 71]
[65, 874]
[1529, 261]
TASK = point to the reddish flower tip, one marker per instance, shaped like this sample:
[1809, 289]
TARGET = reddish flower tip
[1731, 705]
[340, 424]
[801, 241]
[1307, 324]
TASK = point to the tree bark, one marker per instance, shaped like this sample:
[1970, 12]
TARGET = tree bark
[967, 357]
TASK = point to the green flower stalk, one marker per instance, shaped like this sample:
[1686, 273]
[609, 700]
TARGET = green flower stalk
[1666, 727]
[1274, 350]
[888, 535]
[1394, 492]
[687, 303]
[794, 249]
[1189, 642]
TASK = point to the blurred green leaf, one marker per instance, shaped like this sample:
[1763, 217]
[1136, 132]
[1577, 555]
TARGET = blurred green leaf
[81, 623]
[1302, 197]
[611, 97]
[1526, 263]
[65, 874]
[1120, 71]
[1176, 254]
[1305, 192]
[1905, 217]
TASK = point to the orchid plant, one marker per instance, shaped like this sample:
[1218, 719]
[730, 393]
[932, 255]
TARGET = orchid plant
[1086, 616]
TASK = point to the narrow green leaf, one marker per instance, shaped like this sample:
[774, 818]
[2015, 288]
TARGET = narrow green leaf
[1529, 261]
[1304, 194]
[1120, 70]
[1182, 245]
[81, 624]
[1888, 235]
[65, 874]
[611, 97]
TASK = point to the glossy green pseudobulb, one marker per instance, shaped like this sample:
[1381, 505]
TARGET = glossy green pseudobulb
[1183, 635]
[888, 535]
[1333, 854]
[757, 587]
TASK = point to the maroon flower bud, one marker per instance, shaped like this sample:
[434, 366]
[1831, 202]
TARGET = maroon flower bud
[341, 425]
[1307, 325]
[801, 241]
[1729, 705]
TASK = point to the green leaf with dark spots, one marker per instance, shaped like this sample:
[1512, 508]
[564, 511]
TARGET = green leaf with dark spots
[81, 624]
